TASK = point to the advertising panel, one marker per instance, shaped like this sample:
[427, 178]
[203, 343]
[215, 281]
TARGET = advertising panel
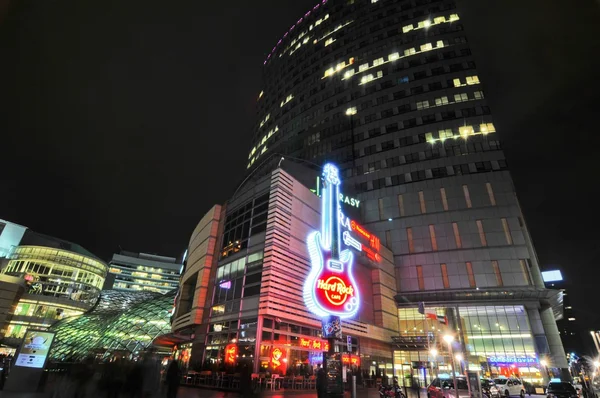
[34, 349]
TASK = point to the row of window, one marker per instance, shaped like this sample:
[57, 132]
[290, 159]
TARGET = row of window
[471, 275]
[427, 174]
[457, 237]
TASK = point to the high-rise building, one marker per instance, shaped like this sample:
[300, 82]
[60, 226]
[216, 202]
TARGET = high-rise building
[62, 279]
[389, 91]
[142, 271]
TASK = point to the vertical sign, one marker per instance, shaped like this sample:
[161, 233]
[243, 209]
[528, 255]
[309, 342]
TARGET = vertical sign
[34, 349]
[349, 343]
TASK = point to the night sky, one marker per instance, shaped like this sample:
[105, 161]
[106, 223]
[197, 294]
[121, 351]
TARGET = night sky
[123, 122]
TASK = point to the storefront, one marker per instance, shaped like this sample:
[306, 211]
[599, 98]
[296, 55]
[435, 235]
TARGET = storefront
[494, 340]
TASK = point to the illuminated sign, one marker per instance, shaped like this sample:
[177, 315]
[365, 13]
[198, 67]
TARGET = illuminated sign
[34, 349]
[373, 244]
[512, 359]
[320, 345]
[225, 285]
[277, 358]
[330, 288]
[552, 276]
[231, 353]
[349, 359]
[348, 200]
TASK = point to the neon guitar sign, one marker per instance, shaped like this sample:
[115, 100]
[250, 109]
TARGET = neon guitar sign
[330, 288]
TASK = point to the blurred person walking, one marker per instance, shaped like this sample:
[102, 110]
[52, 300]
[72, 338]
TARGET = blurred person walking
[172, 379]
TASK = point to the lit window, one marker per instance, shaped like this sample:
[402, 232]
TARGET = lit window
[410, 51]
[457, 82]
[472, 80]
[329, 72]
[441, 101]
[444, 134]
[445, 278]
[265, 120]
[470, 274]
[378, 61]
[427, 23]
[429, 138]
[374, 1]
[571, 319]
[456, 235]
[433, 239]
[439, 20]
[407, 28]
[261, 94]
[263, 150]
[453, 17]
[287, 99]
[526, 273]
[439, 44]
[426, 47]
[411, 244]
[393, 56]
[363, 67]
[478, 94]
[461, 97]
[422, 202]
[467, 196]
[340, 66]
[329, 41]
[507, 231]
[486, 128]
[490, 192]
[349, 73]
[401, 205]
[420, 278]
[481, 233]
[466, 131]
[497, 273]
[444, 199]
[351, 111]
[423, 105]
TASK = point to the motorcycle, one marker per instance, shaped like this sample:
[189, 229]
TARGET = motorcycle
[393, 391]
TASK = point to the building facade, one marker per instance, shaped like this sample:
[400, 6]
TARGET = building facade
[63, 279]
[389, 91]
[141, 271]
[248, 262]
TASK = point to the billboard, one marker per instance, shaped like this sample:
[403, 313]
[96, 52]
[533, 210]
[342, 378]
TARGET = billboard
[552, 276]
[34, 349]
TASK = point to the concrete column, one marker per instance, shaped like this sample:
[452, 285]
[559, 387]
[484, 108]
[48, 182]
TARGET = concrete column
[547, 338]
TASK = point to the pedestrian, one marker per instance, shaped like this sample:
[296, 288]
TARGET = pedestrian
[172, 379]
[151, 383]
[321, 382]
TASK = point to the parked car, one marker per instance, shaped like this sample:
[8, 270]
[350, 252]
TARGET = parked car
[444, 388]
[561, 389]
[489, 387]
[510, 386]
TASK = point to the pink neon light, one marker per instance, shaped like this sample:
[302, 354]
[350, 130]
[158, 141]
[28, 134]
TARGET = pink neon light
[292, 28]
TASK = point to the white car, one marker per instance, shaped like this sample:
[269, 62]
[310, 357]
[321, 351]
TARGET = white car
[510, 386]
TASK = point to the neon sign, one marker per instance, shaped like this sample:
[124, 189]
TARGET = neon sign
[349, 359]
[348, 200]
[225, 285]
[512, 359]
[314, 344]
[330, 288]
[277, 358]
[231, 352]
[373, 243]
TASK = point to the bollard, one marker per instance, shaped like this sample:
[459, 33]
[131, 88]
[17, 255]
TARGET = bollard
[353, 386]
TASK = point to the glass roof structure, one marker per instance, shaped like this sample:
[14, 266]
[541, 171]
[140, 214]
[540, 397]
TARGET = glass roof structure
[124, 321]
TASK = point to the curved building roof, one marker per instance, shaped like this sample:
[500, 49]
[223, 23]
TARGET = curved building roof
[120, 321]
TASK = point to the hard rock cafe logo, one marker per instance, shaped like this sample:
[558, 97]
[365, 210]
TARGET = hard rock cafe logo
[276, 357]
[335, 290]
[231, 353]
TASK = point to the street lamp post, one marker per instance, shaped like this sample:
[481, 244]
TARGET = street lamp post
[459, 358]
[448, 338]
